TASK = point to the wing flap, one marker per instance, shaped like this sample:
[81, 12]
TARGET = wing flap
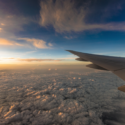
[81, 59]
[94, 66]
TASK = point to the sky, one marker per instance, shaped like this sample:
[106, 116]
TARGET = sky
[39, 31]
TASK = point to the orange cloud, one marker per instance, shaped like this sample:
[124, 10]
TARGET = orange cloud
[9, 58]
[2, 24]
[5, 42]
[40, 60]
[0, 29]
[37, 60]
[38, 43]
[8, 42]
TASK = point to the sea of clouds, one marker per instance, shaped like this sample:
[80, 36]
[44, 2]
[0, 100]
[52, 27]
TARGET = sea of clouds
[60, 97]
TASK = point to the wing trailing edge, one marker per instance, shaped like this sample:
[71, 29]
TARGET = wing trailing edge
[114, 64]
[94, 66]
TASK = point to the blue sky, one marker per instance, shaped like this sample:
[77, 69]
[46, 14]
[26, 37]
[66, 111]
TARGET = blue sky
[44, 29]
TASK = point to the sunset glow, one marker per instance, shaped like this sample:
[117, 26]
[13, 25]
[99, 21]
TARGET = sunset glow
[51, 68]
[42, 33]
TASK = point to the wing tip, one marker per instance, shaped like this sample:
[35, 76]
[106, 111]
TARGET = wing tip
[73, 52]
[70, 50]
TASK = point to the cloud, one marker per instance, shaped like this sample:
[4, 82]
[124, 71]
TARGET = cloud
[55, 97]
[69, 37]
[65, 16]
[68, 58]
[50, 44]
[8, 42]
[2, 24]
[0, 29]
[9, 58]
[38, 43]
[38, 60]
[13, 23]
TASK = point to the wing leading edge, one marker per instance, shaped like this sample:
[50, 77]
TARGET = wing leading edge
[114, 64]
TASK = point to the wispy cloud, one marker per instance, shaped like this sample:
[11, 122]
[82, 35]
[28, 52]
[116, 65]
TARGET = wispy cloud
[10, 25]
[2, 24]
[64, 17]
[38, 60]
[38, 43]
[13, 23]
[50, 44]
[69, 37]
[0, 29]
[8, 42]
[9, 58]
[68, 58]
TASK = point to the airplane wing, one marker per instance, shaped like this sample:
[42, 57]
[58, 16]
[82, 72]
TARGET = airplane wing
[114, 64]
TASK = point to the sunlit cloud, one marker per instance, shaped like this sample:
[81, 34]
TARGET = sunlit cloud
[10, 16]
[64, 17]
[8, 42]
[37, 95]
[38, 43]
[2, 24]
[68, 58]
[9, 58]
[0, 29]
[68, 37]
[50, 44]
[37, 60]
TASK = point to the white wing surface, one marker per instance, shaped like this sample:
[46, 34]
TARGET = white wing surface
[114, 64]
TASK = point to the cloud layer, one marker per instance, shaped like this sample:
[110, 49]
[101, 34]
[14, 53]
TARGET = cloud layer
[37, 60]
[40, 60]
[66, 97]
[65, 16]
